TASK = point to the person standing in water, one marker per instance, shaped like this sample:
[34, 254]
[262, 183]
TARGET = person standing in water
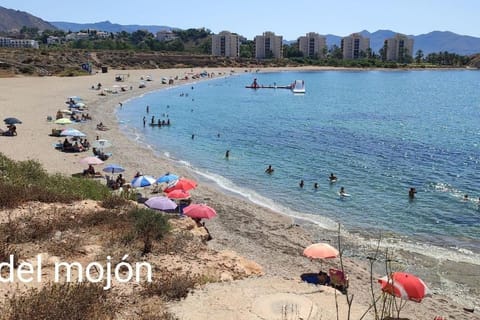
[269, 170]
[227, 154]
[148, 109]
[301, 184]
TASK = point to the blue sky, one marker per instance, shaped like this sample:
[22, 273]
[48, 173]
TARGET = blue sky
[290, 19]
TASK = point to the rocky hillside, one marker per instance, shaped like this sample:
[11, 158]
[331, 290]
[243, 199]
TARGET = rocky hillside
[11, 20]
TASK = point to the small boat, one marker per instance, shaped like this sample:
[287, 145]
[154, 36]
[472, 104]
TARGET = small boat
[298, 86]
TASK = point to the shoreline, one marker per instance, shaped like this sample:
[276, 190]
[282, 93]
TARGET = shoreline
[229, 232]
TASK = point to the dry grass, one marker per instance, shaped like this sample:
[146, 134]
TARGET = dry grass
[60, 301]
[172, 286]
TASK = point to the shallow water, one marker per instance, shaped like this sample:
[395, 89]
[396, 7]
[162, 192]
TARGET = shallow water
[380, 132]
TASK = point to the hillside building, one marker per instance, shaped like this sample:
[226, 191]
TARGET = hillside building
[18, 43]
[226, 44]
[355, 46]
[398, 48]
[312, 45]
[268, 46]
[166, 35]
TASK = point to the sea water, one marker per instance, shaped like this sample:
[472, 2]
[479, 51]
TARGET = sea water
[379, 132]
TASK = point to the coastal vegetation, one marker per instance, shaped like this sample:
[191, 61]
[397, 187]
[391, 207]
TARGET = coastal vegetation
[189, 48]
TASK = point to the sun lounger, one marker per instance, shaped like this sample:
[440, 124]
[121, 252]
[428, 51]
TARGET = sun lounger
[338, 279]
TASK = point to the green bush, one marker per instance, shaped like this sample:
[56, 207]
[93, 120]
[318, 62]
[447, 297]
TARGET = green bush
[149, 226]
[22, 181]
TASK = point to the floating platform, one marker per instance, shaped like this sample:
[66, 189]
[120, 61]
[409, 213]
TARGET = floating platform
[269, 87]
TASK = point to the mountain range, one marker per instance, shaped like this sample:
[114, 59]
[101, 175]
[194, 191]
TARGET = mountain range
[436, 41]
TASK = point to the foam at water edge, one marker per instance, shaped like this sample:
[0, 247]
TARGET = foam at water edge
[260, 200]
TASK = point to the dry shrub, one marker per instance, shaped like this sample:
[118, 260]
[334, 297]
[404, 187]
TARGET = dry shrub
[179, 243]
[60, 301]
[6, 250]
[116, 201]
[172, 286]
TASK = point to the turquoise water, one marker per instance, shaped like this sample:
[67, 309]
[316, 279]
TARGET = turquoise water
[380, 132]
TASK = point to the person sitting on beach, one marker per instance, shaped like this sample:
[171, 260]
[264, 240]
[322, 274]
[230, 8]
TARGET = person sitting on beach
[59, 115]
[77, 147]
[100, 126]
[323, 278]
[138, 174]
[332, 177]
[269, 170]
[120, 181]
[86, 144]
[89, 171]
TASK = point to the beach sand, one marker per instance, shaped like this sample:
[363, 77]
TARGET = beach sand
[273, 240]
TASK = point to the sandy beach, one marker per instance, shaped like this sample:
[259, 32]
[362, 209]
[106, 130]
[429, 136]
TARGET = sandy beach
[272, 240]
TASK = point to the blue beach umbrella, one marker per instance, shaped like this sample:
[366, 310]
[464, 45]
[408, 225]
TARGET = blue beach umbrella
[113, 168]
[167, 178]
[11, 121]
[142, 181]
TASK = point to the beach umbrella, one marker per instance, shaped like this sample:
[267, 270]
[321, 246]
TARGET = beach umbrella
[63, 121]
[181, 184]
[113, 168]
[142, 181]
[160, 203]
[79, 105]
[101, 143]
[405, 286]
[167, 178]
[320, 251]
[72, 133]
[90, 161]
[178, 194]
[11, 121]
[199, 211]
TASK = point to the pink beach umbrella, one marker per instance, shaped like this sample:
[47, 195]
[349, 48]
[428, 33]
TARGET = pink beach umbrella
[405, 286]
[90, 161]
[199, 211]
[178, 194]
[320, 251]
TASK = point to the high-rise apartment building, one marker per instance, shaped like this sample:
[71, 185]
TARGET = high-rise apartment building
[268, 46]
[312, 45]
[398, 48]
[355, 46]
[226, 44]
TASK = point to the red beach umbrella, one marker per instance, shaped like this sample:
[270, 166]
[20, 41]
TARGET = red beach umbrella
[320, 251]
[200, 211]
[178, 194]
[182, 184]
[405, 286]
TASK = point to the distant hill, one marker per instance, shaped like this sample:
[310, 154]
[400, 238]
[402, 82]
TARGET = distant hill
[107, 26]
[11, 20]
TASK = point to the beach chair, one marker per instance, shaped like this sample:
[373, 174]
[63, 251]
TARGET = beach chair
[338, 279]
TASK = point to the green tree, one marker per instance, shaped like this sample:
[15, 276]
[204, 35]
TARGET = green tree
[149, 226]
[247, 50]
[419, 56]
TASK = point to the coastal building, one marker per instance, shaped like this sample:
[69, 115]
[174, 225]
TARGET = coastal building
[18, 43]
[268, 46]
[398, 48]
[226, 44]
[166, 35]
[312, 45]
[355, 46]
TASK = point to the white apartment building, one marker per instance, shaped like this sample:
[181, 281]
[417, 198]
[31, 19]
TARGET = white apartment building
[354, 45]
[166, 35]
[18, 43]
[226, 44]
[268, 46]
[398, 47]
[312, 45]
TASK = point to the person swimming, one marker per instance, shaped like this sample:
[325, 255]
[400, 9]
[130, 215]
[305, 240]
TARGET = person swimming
[411, 193]
[269, 170]
[332, 177]
[342, 191]
[315, 185]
